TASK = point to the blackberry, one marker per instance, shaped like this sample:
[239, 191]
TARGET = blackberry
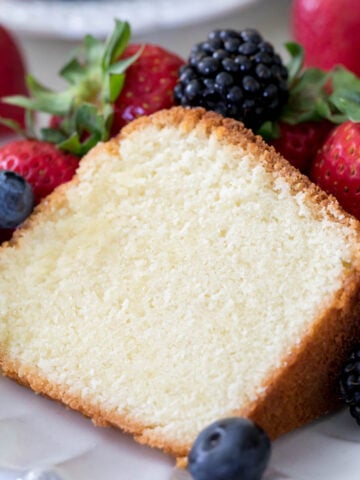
[350, 383]
[237, 74]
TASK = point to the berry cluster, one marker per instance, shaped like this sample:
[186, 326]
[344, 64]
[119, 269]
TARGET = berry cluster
[311, 116]
[237, 74]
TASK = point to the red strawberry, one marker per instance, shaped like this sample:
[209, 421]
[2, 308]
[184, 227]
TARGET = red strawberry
[42, 164]
[337, 166]
[12, 78]
[107, 84]
[299, 143]
[318, 100]
[148, 87]
[149, 84]
[329, 31]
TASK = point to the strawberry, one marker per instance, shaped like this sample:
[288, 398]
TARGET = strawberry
[42, 164]
[299, 143]
[329, 31]
[318, 100]
[12, 78]
[149, 84]
[336, 168]
[109, 84]
[148, 87]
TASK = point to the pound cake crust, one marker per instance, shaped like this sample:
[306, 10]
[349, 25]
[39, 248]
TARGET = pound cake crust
[145, 166]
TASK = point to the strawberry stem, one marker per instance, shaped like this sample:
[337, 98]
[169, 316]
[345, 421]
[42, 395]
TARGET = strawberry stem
[316, 95]
[95, 78]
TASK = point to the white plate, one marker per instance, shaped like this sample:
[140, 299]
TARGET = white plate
[39, 435]
[73, 19]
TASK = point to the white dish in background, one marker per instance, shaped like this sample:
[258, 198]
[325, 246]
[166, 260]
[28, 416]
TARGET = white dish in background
[37, 434]
[72, 19]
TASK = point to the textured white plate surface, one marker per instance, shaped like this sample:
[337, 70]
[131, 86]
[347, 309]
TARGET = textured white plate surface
[73, 19]
[41, 440]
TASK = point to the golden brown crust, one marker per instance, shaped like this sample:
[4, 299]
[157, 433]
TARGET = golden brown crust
[228, 131]
[30, 376]
[232, 132]
[306, 387]
[57, 198]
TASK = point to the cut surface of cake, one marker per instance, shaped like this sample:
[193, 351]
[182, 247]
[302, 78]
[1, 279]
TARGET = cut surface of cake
[187, 273]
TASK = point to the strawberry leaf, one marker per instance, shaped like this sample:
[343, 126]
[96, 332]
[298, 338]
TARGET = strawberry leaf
[116, 77]
[94, 50]
[116, 43]
[36, 87]
[73, 71]
[304, 97]
[94, 78]
[114, 87]
[13, 125]
[72, 144]
[77, 146]
[30, 124]
[88, 144]
[343, 78]
[108, 114]
[122, 65]
[52, 135]
[87, 119]
[315, 94]
[347, 102]
[345, 96]
[269, 130]
[50, 103]
[42, 99]
[296, 62]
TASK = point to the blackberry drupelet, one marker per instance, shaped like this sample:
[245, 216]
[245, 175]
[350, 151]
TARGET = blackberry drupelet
[237, 74]
[350, 383]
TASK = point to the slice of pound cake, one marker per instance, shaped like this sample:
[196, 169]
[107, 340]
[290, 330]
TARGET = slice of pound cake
[187, 273]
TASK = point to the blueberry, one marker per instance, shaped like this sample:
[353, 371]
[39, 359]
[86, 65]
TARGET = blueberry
[16, 199]
[230, 449]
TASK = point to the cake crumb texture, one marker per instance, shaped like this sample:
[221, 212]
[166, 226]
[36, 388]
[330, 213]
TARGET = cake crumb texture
[187, 273]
